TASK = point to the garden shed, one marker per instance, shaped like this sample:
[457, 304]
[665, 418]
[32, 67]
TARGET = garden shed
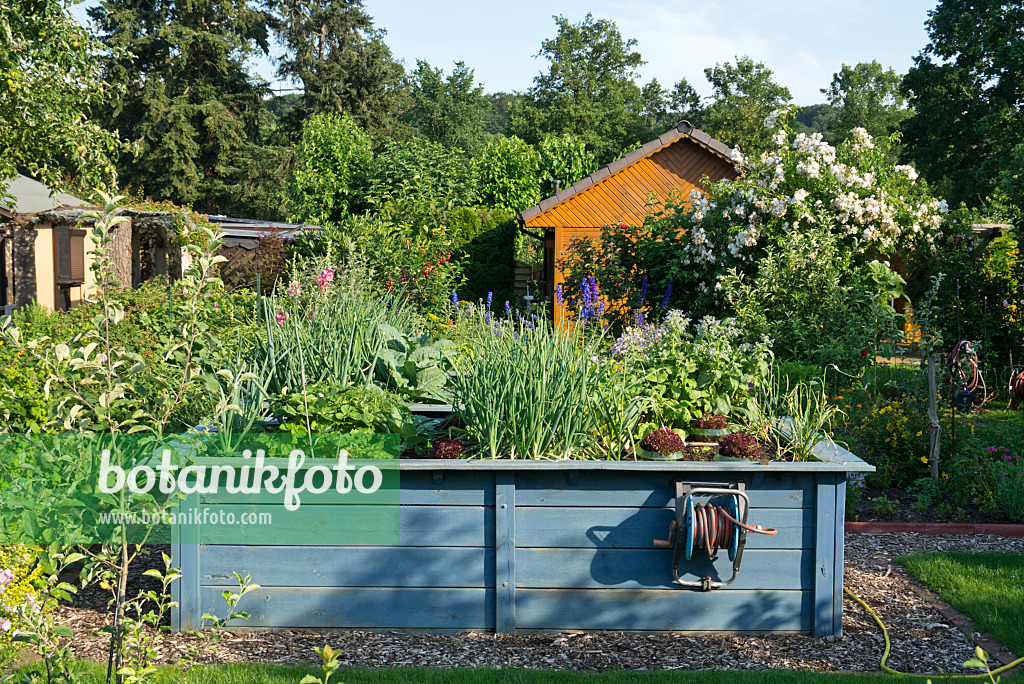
[677, 161]
[44, 255]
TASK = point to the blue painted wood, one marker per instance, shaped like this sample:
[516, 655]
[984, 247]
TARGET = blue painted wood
[663, 609]
[838, 558]
[636, 528]
[185, 552]
[505, 552]
[824, 555]
[419, 525]
[359, 608]
[575, 555]
[651, 568]
[458, 489]
[349, 566]
[654, 490]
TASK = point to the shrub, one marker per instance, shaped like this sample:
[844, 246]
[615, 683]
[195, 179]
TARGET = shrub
[563, 158]
[327, 408]
[423, 173]
[1011, 486]
[815, 304]
[484, 242]
[18, 580]
[739, 445]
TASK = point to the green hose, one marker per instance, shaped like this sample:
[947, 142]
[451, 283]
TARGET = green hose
[888, 646]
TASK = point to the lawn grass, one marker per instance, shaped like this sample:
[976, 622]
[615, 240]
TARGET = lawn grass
[291, 674]
[986, 587]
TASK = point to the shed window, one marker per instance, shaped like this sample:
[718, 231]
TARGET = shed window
[70, 255]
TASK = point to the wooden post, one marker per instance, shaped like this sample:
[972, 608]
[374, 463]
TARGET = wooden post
[934, 427]
[505, 553]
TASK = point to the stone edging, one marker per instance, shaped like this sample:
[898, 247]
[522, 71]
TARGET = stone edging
[999, 529]
[995, 650]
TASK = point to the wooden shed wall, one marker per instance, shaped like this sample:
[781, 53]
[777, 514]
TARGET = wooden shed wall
[622, 196]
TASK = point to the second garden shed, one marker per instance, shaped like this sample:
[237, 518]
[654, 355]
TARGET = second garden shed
[676, 161]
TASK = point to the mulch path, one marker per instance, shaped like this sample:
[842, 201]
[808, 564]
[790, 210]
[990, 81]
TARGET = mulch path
[925, 639]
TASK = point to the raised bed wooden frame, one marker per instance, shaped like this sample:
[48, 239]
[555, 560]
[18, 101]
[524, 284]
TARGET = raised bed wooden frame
[513, 546]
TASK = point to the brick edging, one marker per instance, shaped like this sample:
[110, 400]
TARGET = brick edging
[1000, 529]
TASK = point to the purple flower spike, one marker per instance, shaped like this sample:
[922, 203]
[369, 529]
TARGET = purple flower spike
[643, 290]
[508, 308]
[558, 294]
[455, 298]
[668, 293]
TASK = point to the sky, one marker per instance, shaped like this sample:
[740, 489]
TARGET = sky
[803, 42]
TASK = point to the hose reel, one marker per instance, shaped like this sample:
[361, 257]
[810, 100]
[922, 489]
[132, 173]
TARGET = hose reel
[705, 528]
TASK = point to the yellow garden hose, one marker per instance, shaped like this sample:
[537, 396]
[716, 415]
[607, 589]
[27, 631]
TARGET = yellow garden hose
[888, 646]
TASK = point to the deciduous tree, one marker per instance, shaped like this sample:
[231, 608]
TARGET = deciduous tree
[966, 90]
[49, 80]
[865, 96]
[744, 95]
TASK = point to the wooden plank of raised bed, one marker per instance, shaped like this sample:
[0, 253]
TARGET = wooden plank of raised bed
[825, 535]
[606, 527]
[654, 490]
[418, 525]
[359, 608]
[650, 569]
[349, 566]
[684, 610]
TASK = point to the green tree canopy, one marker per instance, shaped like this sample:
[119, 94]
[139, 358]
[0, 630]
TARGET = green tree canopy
[589, 90]
[448, 109]
[185, 100]
[49, 79]
[429, 175]
[744, 95]
[966, 90]
[865, 96]
[509, 175]
[341, 60]
[565, 159]
[333, 161]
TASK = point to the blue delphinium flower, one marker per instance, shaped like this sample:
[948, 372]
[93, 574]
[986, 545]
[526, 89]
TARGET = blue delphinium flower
[490, 296]
[643, 291]
[558, 294]
[668, 293]
[508, 309]
[455, 298]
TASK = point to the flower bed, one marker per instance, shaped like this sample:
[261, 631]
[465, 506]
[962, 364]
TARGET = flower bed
[519, 545]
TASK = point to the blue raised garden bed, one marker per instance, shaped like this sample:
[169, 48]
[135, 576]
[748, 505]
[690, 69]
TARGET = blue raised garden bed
[513, 546]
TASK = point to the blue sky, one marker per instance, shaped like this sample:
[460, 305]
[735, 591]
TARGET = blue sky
[803, 41]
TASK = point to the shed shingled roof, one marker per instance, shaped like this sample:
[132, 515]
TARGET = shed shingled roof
[684, 130]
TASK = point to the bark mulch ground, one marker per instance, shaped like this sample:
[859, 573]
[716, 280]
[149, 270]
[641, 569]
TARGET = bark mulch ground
[925, 638]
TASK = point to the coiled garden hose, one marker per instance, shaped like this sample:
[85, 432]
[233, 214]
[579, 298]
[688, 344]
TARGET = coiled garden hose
[1016, 388]
[713, 528]
[888, 647]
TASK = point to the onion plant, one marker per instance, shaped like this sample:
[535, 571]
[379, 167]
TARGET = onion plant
[794, 416]
[525, 388]
[331, 334]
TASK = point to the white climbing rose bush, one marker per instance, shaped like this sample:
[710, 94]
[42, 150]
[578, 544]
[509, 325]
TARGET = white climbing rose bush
[876, 209]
